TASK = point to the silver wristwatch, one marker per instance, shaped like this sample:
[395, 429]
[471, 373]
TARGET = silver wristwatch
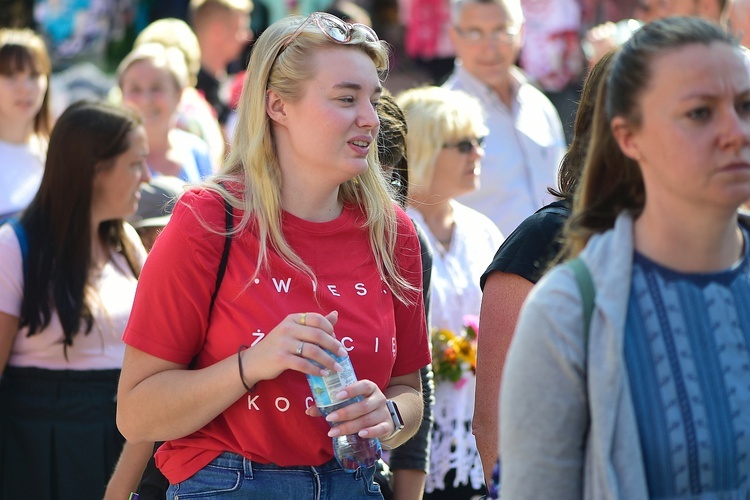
[398, 422]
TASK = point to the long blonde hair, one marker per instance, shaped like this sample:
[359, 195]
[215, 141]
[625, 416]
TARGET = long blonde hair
[253, 158]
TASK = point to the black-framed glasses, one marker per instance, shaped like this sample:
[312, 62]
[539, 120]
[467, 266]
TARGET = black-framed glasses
[475, 36]
[466, 146]
[334, 28]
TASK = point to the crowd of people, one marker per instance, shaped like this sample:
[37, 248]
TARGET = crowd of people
[520, 222]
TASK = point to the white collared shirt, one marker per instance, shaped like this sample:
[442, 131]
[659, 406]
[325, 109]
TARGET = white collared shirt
[522, 152]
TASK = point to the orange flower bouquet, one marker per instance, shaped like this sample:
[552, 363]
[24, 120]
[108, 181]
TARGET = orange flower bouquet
[453, 354]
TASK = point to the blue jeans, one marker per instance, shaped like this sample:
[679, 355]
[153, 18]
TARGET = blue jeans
[231, 476]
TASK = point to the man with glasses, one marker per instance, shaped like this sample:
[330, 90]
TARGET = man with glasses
[526, 141]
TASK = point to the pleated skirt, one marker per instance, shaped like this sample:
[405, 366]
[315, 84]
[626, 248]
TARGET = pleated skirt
[58, 437]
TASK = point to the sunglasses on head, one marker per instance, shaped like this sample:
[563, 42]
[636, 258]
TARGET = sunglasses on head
[467, 145]
[334, 28]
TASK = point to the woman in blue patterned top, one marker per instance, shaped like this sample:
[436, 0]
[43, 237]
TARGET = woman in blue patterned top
[654, 402]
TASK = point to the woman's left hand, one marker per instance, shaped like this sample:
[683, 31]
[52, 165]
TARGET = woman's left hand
[369, 417]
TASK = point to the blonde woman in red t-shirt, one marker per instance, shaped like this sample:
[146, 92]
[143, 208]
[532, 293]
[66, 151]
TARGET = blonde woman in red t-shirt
[320, 260]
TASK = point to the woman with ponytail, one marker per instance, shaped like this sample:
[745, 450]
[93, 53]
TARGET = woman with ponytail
[646, 397]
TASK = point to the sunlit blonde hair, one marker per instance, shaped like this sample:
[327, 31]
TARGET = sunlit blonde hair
[253, 155]
[172, 32]
[169, 58]
[436, 116]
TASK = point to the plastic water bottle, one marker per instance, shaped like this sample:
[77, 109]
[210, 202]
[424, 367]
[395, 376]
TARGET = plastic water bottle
[351, 451]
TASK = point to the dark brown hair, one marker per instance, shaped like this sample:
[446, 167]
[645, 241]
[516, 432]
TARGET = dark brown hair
[87, 138]
[572, 163]
[392, 145]
[611, 181]
[21, 50]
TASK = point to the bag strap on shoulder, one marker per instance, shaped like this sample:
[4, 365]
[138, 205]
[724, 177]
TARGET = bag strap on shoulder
[228, 226]
[588, 293]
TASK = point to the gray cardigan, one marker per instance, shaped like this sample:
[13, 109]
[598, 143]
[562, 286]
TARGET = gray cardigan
[546, 408]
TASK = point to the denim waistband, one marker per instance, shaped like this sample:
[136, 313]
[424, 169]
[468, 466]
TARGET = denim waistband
[229, 460]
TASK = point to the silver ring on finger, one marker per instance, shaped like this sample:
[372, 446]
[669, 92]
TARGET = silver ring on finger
[300, 347]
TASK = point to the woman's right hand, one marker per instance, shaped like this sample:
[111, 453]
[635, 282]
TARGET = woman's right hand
[294, 344]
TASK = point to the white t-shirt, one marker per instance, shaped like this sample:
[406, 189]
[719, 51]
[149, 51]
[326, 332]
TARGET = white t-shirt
[21, 171]
[111, 302]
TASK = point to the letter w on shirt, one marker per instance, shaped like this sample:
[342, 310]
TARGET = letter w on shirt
[282, 285]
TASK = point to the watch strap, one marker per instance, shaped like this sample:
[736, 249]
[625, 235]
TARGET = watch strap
[398, 422]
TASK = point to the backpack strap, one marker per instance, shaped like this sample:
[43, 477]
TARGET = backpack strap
[23, 240]
[588, 293]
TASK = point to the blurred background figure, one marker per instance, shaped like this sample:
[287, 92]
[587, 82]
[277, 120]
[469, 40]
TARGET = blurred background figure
[155, 207]
[444, 145]
[739, 20]
[604, 37]
[68, 274]
[426, 38]
[525, 141]
[277, 10]
[25, 120]
[151, 79]
[223, 31]
[194, 113]
[551, 55]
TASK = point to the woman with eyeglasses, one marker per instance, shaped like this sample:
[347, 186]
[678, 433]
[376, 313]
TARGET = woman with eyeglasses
[316, 259]
[463, 243]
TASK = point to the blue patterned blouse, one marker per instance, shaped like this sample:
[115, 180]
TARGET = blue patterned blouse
[687, 351]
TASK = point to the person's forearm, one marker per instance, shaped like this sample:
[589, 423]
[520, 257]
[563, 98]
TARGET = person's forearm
[415, 453]
[8, 331]
[129, 469]
[486, 438]
[502, 299]
[409, 402]
[177, 402]
[408, 484]
[485, 419]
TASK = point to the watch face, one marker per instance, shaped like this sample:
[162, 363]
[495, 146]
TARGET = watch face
[398, 422]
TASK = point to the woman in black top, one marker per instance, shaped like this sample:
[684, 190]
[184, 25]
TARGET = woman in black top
[518, 264]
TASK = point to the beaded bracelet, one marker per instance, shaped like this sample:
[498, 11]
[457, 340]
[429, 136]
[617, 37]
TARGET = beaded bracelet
[239, 363]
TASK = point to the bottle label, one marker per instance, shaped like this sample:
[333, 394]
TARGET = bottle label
[324, 389]
[337, 381]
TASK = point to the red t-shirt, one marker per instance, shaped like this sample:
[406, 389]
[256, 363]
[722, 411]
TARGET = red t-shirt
[385, 338]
